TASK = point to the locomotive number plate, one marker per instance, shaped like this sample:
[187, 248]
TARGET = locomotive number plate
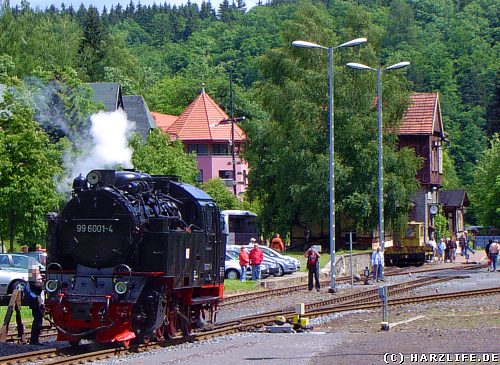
[94, 228]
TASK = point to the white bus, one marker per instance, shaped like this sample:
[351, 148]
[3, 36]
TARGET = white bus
[239, 226]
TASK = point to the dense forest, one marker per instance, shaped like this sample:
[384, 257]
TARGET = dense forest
[165, 52]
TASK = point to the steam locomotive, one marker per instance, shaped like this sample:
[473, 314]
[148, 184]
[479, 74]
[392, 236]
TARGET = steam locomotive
[133, 257]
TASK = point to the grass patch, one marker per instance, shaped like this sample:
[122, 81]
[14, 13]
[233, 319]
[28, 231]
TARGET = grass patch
[25, 314]
[235, 286]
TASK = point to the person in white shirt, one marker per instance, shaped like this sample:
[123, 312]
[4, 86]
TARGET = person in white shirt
[376, 262]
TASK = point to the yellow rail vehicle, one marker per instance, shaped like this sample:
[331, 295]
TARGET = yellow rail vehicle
[410, 249]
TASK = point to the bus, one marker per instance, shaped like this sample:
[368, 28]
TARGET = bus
[239, 226]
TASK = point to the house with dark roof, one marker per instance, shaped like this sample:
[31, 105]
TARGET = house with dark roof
[110, 95]
[204, 129]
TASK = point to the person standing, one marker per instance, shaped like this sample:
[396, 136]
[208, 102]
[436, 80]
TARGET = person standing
[441, 247]
[464, 245]
[487, 249]
[244, 260]
[494, 250]
[313, 268]
[255, 258]
[432, 243]
[453, 249]
[33, 291]
[376, 261]
[277, 243]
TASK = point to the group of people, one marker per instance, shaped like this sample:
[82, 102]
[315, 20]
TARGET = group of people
[253, 258]
[446, 248]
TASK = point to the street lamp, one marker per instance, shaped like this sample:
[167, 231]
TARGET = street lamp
[351, 43]
[359, 66]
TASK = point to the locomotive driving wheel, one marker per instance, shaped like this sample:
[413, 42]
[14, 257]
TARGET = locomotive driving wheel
[170, 326]
[185, 321]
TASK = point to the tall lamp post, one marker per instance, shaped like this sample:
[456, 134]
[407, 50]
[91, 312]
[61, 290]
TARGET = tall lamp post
[231, 120]
[359, 66]
[351, 43]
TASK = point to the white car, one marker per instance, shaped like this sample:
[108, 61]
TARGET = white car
[14, 270]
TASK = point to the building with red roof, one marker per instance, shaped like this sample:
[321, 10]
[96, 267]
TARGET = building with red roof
[422, 129]
[205, 129]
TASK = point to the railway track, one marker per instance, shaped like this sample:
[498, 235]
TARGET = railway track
[364, 300]
[241, 298]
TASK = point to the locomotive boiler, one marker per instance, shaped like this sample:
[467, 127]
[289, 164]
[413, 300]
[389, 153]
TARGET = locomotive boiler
[133, 256]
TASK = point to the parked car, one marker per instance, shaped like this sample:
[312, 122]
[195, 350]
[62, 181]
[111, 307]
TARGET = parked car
[273, 266]
[285, 264]
[232, 268]
[19, 261]
[14, 271]
[275, 254]
[40, 256]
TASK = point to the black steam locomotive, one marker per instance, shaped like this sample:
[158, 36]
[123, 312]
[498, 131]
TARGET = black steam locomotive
[133, 256]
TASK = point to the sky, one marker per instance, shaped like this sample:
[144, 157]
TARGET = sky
[100, 3]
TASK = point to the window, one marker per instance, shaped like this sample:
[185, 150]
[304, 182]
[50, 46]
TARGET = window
[199, 177]
[440, 159]
[220, 149]
[199, 149]
[226, 174]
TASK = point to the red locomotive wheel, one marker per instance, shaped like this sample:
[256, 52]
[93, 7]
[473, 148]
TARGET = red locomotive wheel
[170, 325]
[160, 333]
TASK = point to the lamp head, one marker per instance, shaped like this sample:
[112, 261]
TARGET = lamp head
[398, 65]
[359, 66]
[304, 44]
[353, 43]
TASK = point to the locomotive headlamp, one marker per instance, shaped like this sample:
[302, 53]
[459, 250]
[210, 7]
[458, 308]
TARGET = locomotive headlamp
[121, 287]
[93, 177]
[51, 285]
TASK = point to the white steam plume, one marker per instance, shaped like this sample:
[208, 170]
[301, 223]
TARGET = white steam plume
[107, 148]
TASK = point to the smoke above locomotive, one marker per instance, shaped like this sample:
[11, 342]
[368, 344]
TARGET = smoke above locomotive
[107, 146]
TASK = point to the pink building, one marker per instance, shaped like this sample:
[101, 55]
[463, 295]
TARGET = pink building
[200, 129]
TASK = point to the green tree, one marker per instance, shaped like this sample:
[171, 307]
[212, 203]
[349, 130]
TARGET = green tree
[221, 195]
[93, 45]
[450, 177]
[485, 191]
[29, 163]
[159, 156]
[440, 224]
[295, 94]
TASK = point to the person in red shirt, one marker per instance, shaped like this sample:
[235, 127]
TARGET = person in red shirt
[277, 243]
[313, 268]
[256, 256]
[244, 260]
